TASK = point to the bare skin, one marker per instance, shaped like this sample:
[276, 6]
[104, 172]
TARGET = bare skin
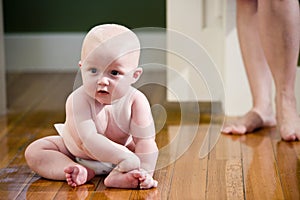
[269, 52]
[102, 117]
[75, 174]
[247, 123]
[78, 175]
[132, 179]
[49, 157]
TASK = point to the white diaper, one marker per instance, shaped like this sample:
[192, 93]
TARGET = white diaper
[59, 128]
[100, 168]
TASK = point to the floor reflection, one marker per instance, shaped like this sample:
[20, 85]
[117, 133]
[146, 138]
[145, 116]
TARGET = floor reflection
[44, 189]
[271, 166]
[289, 168]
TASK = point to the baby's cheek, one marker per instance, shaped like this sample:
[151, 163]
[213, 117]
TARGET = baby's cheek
[121, 89]
[90, 90]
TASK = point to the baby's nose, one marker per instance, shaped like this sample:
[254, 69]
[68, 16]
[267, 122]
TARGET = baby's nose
[103, 80]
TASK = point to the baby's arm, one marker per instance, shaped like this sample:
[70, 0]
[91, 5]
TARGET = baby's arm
[79, 109]
[146, 150]
[143, 132]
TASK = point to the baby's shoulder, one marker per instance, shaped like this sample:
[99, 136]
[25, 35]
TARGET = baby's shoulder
[78, 97]
[139, 101]
[137, 95]
[79, 94]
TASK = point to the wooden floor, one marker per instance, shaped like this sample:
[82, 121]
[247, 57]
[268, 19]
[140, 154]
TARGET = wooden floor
[255, 166]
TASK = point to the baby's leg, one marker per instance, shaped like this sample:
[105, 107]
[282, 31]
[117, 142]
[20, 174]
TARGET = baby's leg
[49, 158]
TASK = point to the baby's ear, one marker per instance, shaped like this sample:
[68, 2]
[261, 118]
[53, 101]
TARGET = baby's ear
[137, 73]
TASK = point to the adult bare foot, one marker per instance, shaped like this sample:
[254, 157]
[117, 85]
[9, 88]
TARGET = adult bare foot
[77, 175]
[289, 128]
[288, 119]
[250, 122]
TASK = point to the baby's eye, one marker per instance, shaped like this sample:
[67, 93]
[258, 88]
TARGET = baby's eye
[93, 70]
[114, 73]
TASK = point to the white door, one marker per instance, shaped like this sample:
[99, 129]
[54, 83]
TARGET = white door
[211, 24]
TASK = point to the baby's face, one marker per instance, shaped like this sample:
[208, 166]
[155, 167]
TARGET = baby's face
[108, 72]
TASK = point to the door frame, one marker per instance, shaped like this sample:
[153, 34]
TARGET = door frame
[2, 66]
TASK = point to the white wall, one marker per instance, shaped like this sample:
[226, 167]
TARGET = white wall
[2, 66]
[43, 52]
[58, 52]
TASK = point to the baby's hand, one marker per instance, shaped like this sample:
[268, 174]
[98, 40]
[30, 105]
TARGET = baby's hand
[146, 180]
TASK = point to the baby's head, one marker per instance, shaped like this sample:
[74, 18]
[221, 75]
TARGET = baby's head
[109, 62]
[111, 39]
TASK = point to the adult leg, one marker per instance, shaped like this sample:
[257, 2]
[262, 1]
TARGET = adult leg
[279, 28]
[257, 69]
[49, 157]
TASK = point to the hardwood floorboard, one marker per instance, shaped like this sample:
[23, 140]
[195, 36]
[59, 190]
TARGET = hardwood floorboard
[260, 168]
[225, 169]
[287, 159]
[254, 166]
[189, 176]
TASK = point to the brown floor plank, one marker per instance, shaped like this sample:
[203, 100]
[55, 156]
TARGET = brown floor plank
[102, 192]
[29, 124]
[189, 178]
[287, 159]
[225, 169]
[67, 192]
[152, 194]
[260, 168]
[41, 189]
[167, 144]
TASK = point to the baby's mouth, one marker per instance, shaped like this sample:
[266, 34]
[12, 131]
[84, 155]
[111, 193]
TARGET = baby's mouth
[103, 92]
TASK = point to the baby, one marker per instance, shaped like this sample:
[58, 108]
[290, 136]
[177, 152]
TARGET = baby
[109, 128]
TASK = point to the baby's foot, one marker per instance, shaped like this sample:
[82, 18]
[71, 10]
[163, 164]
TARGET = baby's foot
[77, 175]
[249, 123]
[119, 179]
[147, 181]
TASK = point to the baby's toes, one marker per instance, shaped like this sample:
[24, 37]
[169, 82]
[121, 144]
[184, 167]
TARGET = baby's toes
[149, 182]
[155, 183]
